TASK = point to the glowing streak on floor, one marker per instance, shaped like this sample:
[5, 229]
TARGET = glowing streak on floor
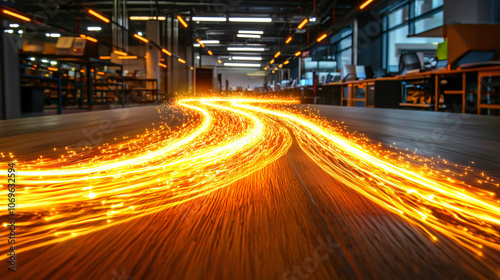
[223, 140]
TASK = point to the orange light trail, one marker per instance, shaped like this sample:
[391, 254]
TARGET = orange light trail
[222, 140]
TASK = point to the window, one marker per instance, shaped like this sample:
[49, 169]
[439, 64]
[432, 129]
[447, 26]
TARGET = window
[399, 16]
[342, 47]
[423, 6]
[399, 43]
[410, 17]
[428, 23]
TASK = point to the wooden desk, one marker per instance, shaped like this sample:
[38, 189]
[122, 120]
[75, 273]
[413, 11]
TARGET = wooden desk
[437, 75]
[480, 76]
[445, 73]
[353, 85]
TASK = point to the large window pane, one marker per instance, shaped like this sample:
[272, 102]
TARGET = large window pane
[342, 34]
[344, 44]
[399, 16]
[428, 23]
[423, 6]
[398, 43]
[344, 58]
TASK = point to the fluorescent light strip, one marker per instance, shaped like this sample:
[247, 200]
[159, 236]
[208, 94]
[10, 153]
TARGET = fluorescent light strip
[208, 42]
[250, 32]
[241, 64]
[247, 58]
[250, 19]
[248, 36]
[245, 49]
[146, 18]
[215, 19]
[94, 28]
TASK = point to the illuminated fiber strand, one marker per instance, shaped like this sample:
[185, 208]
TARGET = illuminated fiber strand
[221, 140]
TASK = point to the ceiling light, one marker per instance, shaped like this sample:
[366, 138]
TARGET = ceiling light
[88, 38]
[250, 19]
[208, 42]
[10, 31]
[99, 16]
[141, 38]
[304, 22]
[181, 20]
[277, 54]
[210, 53]
[53, 35]
[167, 52]
[365, 4]
[298, 53]
[288, 39]
[13, 25]
[245, 49]
[208, 19]
[250, 32]
[196, 45]
[181, 60]
[248, 36]
[271, 62]
[247, 58]
[321, 37]
[105, 57]
[162, 65]
[313, 19]
[146, 18]
[120, 53]
[241, 64]
[16, 15]
[220, 61]
[128, 57]
[286, 62]
[94, 28]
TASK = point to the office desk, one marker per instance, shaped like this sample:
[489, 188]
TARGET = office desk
[388, 87]
[350, 99]
[439, 74]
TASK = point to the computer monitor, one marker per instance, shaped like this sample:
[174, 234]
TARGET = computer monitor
[348, 73]
[369, 72]
[360, 72]
[442, 64]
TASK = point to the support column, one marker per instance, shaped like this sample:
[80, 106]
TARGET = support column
[10, 101]
[152, 53]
